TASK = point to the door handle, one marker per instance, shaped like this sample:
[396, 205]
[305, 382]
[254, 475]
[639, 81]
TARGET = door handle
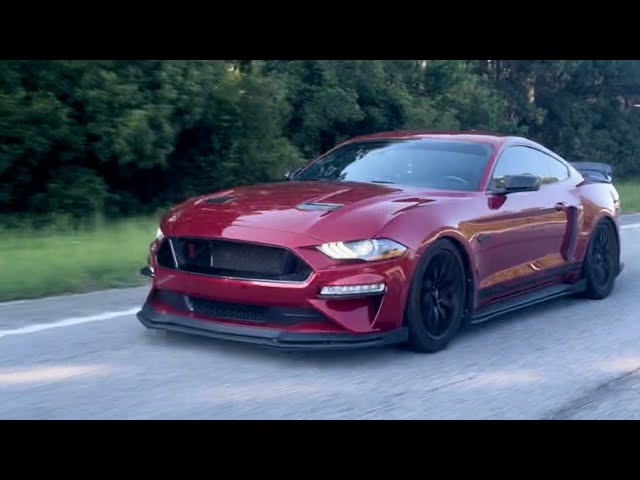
[561, 207]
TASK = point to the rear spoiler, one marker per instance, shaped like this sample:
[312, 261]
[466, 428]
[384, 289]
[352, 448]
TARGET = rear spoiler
[595, 172]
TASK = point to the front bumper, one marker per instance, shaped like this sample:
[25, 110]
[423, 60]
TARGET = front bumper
[269, 337]
[284, 314]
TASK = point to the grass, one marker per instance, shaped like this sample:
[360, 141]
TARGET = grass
[41, 262]
[629, 196]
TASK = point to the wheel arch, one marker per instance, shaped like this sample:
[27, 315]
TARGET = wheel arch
[470, 272]
[605, 217]
[587, 226]
[595, 289]
[469, 276]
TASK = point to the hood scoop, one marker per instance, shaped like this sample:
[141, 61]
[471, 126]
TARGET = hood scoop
[218, 200]
[325, 207]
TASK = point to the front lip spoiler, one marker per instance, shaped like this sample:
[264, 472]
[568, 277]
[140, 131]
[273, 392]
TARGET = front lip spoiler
[280, 339]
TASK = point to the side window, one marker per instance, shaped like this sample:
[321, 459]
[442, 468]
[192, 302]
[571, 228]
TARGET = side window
[519, 161]
[528, 161]
[557, 172]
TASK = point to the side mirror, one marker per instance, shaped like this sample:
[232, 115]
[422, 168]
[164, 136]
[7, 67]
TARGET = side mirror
[518, 183]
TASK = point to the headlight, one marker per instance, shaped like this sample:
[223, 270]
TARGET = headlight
[159, 234]
[369, 250]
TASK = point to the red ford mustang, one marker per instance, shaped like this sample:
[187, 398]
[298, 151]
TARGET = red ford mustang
[387, 238]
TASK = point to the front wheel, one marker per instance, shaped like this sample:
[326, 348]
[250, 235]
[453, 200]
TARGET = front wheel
[435, 304]
[602, 261]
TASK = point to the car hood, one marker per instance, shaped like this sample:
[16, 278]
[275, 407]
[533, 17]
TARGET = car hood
[317, 211]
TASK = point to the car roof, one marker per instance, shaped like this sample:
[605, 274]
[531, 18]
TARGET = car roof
[469, 136]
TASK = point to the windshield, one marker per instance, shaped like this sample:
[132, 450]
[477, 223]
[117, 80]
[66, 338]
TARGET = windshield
[442, 164]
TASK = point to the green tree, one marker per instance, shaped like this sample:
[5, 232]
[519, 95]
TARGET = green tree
[122, 137]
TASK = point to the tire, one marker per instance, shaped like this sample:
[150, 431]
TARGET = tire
[601, 262]
[435, 304]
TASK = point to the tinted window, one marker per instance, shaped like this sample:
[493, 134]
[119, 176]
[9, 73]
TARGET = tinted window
[422, 163]
[528, 161]
[557, 171]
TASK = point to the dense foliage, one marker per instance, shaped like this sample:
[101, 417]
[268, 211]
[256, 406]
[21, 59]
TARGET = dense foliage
[124, 137]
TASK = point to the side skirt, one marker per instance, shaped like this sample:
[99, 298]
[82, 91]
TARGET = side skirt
[532, 298]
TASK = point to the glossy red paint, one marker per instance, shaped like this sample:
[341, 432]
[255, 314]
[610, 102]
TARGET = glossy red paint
[512, 243]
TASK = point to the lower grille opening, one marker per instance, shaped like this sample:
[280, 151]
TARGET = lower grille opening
[232, 259]
[255, 314]
[233, 311]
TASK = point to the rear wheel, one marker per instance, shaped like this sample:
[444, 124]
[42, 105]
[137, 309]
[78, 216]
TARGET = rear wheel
[436, 301]
[602, 261]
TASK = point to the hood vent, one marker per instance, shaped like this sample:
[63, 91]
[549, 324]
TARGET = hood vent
[216, 200]
[325, 207]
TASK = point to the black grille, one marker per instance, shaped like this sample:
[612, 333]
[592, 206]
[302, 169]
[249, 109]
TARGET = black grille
[234, 311]
[239, 312]
[232, 259]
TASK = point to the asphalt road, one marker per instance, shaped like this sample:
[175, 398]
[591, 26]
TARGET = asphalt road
[87, 357]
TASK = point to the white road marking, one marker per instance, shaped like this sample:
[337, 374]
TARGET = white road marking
[68, 322]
